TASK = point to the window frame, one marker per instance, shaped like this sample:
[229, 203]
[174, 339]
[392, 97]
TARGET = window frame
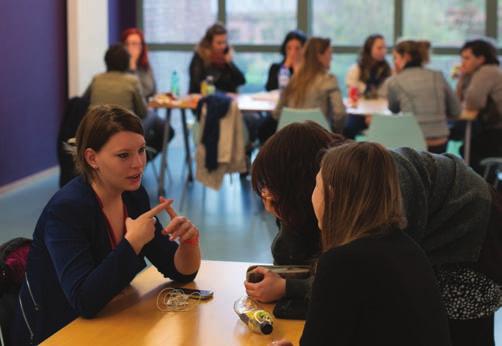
[304, 23]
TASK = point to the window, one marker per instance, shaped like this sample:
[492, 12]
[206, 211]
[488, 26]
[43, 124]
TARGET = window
[257, 28]
[260, 21]
[445, 22]
[255, 66]
[445, 64]
[177, 21]
[164, 63]
[347, 22]
[340, 64]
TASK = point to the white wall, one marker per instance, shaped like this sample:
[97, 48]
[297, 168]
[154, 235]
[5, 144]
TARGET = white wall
[87, 42]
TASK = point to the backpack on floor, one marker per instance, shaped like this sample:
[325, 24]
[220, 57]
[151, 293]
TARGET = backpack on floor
[13, 259]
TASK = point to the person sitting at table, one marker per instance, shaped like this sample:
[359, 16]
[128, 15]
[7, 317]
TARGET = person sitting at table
[134, 41]
[116, 86]
[94, 234]
[371, 70]
[119, 87]
[423, 92]
[480, 90]
[373, 284]
[367, 77]
[214, 57]
[451, 211]
[291, 51]
[298, 237]
[312, 86]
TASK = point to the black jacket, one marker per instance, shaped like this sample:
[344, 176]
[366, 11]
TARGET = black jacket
[226, 79]
[378, 290]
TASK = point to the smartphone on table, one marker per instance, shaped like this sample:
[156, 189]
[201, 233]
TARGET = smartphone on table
[194, 293]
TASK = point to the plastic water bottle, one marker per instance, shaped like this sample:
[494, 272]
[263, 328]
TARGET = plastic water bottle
[258, 320]
[210, 87]
[283, 78]
[175, 84]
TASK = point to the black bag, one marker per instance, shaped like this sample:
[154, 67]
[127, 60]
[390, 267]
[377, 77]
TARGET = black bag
[10, 283]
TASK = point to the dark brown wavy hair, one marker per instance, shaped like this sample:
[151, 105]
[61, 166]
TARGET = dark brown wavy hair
[367, 63]
[287, 165]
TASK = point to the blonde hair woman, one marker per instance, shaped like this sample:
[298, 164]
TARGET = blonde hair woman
[313, 86]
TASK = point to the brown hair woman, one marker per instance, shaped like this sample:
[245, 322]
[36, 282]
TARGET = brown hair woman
[374, 285]
[94, 234]
[313, 86]
[214, 57]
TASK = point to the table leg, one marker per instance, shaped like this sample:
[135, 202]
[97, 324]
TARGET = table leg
[163, 158]
[188, 156]
[467, 144]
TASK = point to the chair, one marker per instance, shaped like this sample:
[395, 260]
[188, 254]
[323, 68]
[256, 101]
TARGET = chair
[13, 261]
[396, 131]
[75, 110]
[293, 115]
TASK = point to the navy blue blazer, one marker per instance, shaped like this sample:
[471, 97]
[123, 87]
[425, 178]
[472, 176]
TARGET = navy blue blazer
[72, 270]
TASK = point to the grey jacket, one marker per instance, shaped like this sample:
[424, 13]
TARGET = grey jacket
[119, 88]
[427, 95]
[484, 93]
[324, 93]
[447, 205]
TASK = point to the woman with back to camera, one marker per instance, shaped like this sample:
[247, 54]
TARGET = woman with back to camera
[94, 234]
[291, 51]
[423, 92]
[313, 86]
[452, 213]
[373, 284]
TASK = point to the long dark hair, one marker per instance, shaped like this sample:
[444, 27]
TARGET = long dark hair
[143, 57]
[309, 70]
[367, 64]
[287, 165]
[482, 48]
[414, 49]
[292, 35]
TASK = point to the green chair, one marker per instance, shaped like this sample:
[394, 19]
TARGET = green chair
[293, 115]
[393, 131]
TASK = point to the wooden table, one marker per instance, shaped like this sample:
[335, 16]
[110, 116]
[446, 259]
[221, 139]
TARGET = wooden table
[258, 102]
[132, 317]
[368, 107]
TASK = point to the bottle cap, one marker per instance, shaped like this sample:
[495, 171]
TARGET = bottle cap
[266, 328]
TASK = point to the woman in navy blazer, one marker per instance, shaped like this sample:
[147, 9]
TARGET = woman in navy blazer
[93, 235]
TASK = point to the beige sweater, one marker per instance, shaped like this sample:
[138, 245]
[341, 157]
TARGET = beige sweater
[324, 93]
[118, 88]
